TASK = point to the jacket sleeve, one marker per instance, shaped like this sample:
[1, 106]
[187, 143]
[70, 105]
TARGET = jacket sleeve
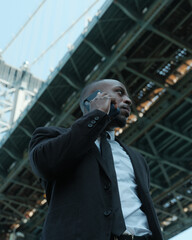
[56, 151]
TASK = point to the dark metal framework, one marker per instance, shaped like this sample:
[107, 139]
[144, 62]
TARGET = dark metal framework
[147, 46]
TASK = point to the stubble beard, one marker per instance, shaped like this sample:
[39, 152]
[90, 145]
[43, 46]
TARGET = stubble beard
[118, 121]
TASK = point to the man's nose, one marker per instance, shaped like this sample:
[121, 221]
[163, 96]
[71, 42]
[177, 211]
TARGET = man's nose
[127, 100]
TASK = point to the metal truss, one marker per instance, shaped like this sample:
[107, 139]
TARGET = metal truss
[18, 87]
[139, 45]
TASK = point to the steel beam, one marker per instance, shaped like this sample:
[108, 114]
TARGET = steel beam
[19, 198]
[74, 84]
[165, 174]
[172, 131]
[75, 68]
[7, 215]
[162, 210]
[169, 140]
[170, 37]
[36, 223]
[47, 108]
[173, 187]
[31, 121]
[159, 31]
[25, 131]
[13, 209]
[181, 148]
[24, 184]
[101, 32]
[176, 166]
[6, 223]
[151, 144]
[157, 186]
[179, 108]
[163, 160]
[5, 124]
[160, 59]
[128, 40]
[188, 198]
[128, 12]
[19, 203]
[11, 154]
[67, 110]
[14, 172]
[97, 49]
[51, 96]
[183, 116]
[176, 159]
[149, 79]
[3, 172]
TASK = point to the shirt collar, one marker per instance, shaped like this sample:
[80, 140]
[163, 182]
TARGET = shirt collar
[111, 134]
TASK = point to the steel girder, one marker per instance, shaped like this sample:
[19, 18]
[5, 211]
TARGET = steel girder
[156, 135]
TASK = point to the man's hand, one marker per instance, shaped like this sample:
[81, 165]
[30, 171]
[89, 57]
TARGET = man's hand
[102, 102]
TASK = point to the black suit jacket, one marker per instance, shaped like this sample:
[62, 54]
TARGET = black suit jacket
[76, 182]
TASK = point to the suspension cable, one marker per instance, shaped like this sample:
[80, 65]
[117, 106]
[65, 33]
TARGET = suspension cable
[22, 28]
[63, 34]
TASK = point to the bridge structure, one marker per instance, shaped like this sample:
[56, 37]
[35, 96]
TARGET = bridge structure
[147, 45]
[18, 87]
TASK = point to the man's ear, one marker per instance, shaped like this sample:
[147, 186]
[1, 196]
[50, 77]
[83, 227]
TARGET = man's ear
[83, 109]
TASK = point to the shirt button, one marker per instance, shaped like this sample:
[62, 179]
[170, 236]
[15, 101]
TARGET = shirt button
[93, 121]
[90, 125]
[107, 213]
[96, 118]
[107, 186]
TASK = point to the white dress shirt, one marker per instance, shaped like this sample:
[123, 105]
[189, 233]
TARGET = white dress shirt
[135, 219]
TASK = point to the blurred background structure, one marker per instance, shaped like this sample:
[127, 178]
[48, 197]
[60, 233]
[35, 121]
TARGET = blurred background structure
[147, 45]
[18, 87]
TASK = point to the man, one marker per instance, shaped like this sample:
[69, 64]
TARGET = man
[94, 191]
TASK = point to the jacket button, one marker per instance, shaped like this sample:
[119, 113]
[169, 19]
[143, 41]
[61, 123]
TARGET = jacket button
[107, 213]
[90, 125]
[96, 118]
[93, 121]
[107, 186]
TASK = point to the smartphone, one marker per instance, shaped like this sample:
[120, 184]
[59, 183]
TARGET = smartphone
[113, 111]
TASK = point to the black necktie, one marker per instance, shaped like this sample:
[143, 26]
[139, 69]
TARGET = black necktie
[118, 226]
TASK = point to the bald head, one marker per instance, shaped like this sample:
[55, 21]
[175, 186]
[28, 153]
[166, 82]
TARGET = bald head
[101, 85]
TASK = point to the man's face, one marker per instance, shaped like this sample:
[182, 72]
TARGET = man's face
[117, 91]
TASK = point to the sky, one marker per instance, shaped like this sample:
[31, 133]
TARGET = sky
[185, 235]
[54, 18]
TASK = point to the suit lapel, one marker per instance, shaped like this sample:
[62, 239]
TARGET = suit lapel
[99, 159]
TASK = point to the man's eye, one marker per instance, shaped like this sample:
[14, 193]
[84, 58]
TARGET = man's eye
[120, 91]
